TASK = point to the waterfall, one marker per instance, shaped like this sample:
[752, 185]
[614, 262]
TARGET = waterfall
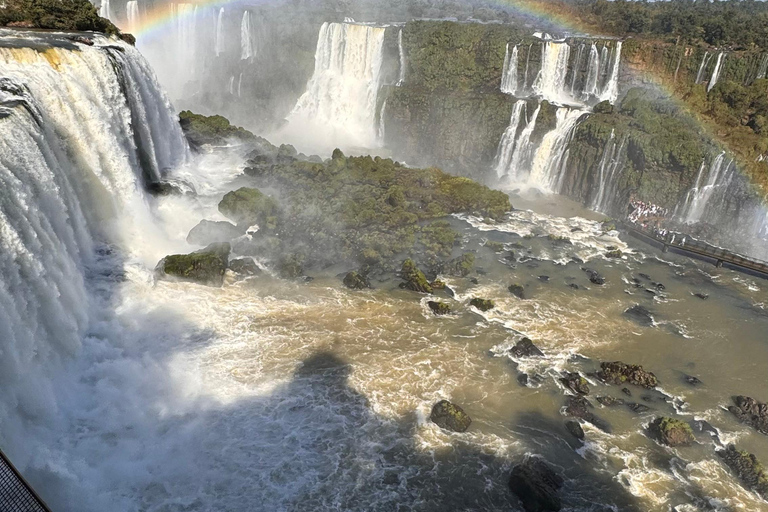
[762, 70]
[382, 120]
[341, 99]
[132, 11]
[716, 72]
[527, 63]
[104, 9]
[240, 86]
[702, 67]
[401, 52]
[232, 85]
[246, 37]
[521, 154]
[550, 82]
[71, 170]
[695, 203]
[509, 72]
[593, 72]
[219, 38]
[551, 156]
[611, 90]
[610, 168]
[508, 141]
[604, 57]
[577, 67]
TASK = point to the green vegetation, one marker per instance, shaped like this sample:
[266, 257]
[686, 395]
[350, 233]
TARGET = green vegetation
[55, 14]
[216, 130]
[482, 304]
[206, 266]
[460, 267]
[672, 432]
[439, 308]
[413, 278]
[248, 206]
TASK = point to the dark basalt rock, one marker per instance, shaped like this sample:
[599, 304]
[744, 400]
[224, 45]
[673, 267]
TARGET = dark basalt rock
[291, 267]
[579, 407]
[594, 276]
[517, 290]
[610, 401]
[621, 373]
[414, 279]
[171, 188]
[211, 232]
[206, 266]
[693, 381]
[626, 391]
[640, 315]
[244, 267]
[638, 408]
[537, 485]
[544, 279]
[645, 276]
[671, 432]
[747, 468]
[574, 286]
[356, 281]
[439, 308]
[450, 416]
[616, 254]
[702, 296]
[482, 304]
[526, 348]
[750, 411]
[574, 427]
[460, 267]
[438, 285]
[576, 383]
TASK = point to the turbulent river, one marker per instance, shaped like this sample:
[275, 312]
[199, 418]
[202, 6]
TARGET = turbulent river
[269, 394]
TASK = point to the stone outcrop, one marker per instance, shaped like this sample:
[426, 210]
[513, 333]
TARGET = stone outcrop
[619, 373]
[537, 485]
[671, 432]
[750, 411]
[450, 416]
[206, 266]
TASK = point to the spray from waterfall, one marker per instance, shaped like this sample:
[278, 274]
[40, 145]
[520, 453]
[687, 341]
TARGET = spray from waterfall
[132, 11]
[696, 201]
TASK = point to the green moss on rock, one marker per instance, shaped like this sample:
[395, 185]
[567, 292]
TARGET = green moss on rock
[517, 290]
[461, 266]
[482, 304]
[671, 432]
[248, 206]
[206, 266]
[414, 278]
[439, 308]
[216, 130]
[450, 416]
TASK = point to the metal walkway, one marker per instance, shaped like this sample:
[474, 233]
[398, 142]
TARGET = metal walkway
[16, 495]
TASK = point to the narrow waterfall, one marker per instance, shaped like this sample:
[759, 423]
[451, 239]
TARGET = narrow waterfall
[695, 203]
[703, 67]
[593, 72]
[604, 58]
[219, 34]
[401, 52]
[521, 154]
[762, 69]
[509, 140]
[382, 121]
[527, 66]
[71, 166]
[240, 86]
[104, 10]
[551, 156]
[246, 37]
[610, 169]
[716, 72]
[232, 85]
[509, 72]
[577, 68]
[610, 92]
[342, 96]
[185, 16]
[550, 82]
[132, 11]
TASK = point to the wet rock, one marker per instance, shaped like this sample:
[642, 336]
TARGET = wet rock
[747, 468]
[206, 266]
[526, 348]
[615, 253]
[609, 401]
[244, 267]
[356, 281]
[645, 276]
[691, 380]
[704, 426]
[474, 280]
[640, 315]
[638, 408]
[578, 260]
[558, 240]
[517, 290]
[494, 246]
[702, 296]
[450, 416]
[544, 279]
[522, 379]
[460, 267]
[671, 432]
[291, 267]
[594, 276]
[578, 406]
[619, 373]
[659, 287]
[574, 427]
[576, 383]
[574, 286]
[537, 485]
[438, 285]
[439, 308]
[210, 232]
[248, 206]
[414, 278]
[750, 411]
[171, 188]
[626, 391]
[510, 256]
[482, 304]
[647, 398]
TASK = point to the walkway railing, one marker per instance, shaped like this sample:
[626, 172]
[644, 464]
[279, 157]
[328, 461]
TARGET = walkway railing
[16, 495]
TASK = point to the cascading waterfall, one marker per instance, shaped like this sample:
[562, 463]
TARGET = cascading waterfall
[342, 96]
[509, 73]
[593, 72]
[695, 203]
[610, 168]
[552, 154]
[703, 67]
[527, 66]
[716, 72]
[219, 34]
[577, 67]
[509, 140]
[240, 86]
[246, 37]
[550, 82]
[762, 69]
[132, 11]
[104, 10]
[401, 52]
[611, 90]
[522, 151]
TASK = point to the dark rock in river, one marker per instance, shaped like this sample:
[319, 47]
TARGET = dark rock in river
[450, 416]
[171, 188]
[750, 411]
[579, 407]
[206, 266]
[747, 468]
[576, 383]
[211, 232]
[702, 296]
[537, 485]
[460, 267]
[439, 308]
[517, 290]
[356, 281]
[693, 381]
[574, 427]
[610, 401]
[671, 432]
[626, 391]
[526, 348]
[638, 408]
[244, 267]
[620, 373]
[639, 315]
[414, 279]
[482, 304]
[594, 276]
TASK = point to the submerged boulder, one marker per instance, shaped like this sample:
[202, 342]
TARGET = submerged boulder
[575, 429]
[746, 466]
[414, 279]
[750, 411]
[671, 432]
[206, 266]
[577, 406]
[526, 348]
[211, 232]
[482, 304]
[244, 267]
[439, 308]
[594, 276]
[575, 383]
[537, 485]
[450, 416]
[621, 373]
[639, 315]
[517, 290]
[356, 281]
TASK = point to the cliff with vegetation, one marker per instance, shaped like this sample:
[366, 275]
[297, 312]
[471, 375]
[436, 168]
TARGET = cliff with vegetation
[78, 15]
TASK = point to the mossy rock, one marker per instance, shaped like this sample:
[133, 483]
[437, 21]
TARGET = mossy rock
[201, 130]
[450, 416]
[206, 266]
[439, 308]
[615, 254]
[671, 432]
[746, 466]
[438, 285]
[248, 206]
[576, 383]
[414, 279]
[461, 266]
[517, 290]
[494, 246]
[621, 373]
[482, 304]
[291, 267]
[356, 281]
